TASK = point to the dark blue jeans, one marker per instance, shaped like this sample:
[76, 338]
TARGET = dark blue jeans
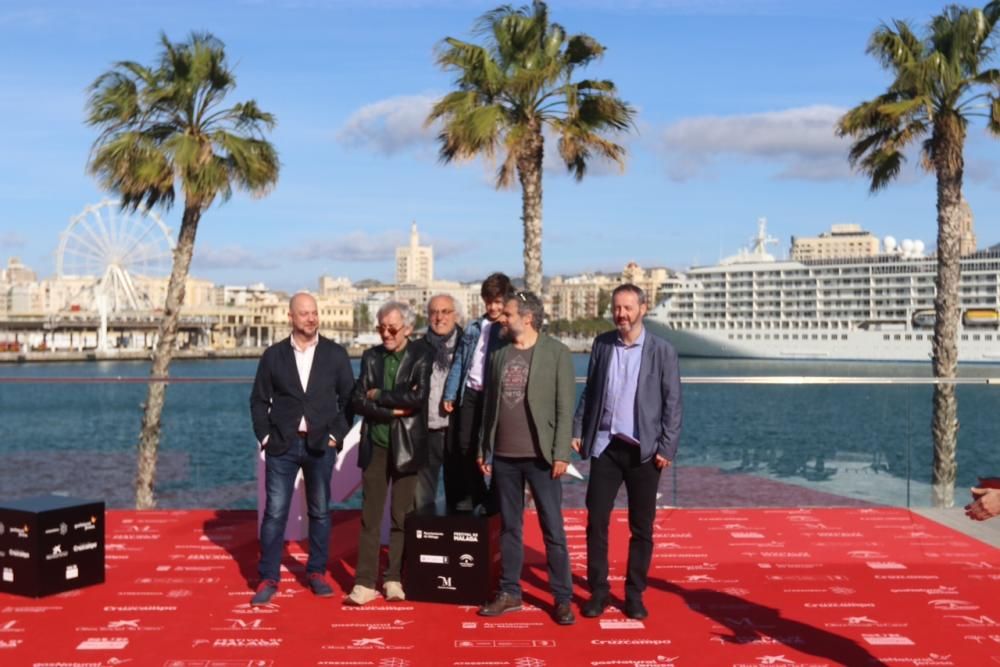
[279, 483]
[509, 478]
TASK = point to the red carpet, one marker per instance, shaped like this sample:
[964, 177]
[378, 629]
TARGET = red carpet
[729, 587]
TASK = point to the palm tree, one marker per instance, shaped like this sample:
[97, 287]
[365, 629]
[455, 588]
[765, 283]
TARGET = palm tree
[510, 90]
[165, 125]
[940, 84]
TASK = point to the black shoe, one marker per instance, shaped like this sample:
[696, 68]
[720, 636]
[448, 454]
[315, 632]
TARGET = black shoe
[594, 607]
[265, 591]
[501, 604]
[563, 614]
[635, 609]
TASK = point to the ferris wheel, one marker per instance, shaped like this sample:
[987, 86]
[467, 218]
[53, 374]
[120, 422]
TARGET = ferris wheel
[112, 246]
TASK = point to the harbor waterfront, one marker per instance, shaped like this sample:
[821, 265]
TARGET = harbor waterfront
[868, 441]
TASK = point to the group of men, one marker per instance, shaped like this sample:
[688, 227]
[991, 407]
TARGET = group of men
[494, 402]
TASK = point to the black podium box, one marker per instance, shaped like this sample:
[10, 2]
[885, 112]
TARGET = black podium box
[453, 559]
[50, 544]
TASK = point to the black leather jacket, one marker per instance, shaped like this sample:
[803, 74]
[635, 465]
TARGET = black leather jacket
[408, 435]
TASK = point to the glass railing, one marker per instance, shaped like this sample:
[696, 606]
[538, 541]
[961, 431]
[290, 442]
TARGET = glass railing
[749, 439]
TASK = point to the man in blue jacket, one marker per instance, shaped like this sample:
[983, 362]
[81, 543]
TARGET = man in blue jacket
[627, 423]
[463, 394]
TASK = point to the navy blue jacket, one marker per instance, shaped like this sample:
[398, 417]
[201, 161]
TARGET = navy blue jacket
[657, 398]
[278, 400]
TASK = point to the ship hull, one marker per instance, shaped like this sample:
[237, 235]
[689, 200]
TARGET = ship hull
[854, 345]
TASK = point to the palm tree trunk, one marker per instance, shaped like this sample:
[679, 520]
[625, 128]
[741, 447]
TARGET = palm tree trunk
[948, 141]
[529, 170]
[149, 438]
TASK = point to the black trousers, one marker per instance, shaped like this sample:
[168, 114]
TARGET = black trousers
[464, 485]
[616, 464]
[425, 496]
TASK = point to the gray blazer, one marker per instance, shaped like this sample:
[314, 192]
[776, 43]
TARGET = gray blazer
[657, 398]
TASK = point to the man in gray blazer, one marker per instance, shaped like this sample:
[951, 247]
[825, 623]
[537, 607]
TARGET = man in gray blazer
[527, 433]
[627, 423]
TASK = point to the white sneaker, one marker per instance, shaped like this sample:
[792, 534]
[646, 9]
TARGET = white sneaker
[361, 595]
[394, 591]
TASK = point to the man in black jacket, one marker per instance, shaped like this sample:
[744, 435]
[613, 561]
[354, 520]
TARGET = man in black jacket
[300, 406]
[391, 395]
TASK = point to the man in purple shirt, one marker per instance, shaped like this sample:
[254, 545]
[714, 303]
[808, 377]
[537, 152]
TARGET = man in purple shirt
[627, 423]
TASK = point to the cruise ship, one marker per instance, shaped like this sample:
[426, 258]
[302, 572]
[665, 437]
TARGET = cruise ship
[876, 307]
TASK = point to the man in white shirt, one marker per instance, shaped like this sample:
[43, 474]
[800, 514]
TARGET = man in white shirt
[301, 411]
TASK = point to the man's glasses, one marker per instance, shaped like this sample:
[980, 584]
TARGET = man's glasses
[441, 313]
[386, 329]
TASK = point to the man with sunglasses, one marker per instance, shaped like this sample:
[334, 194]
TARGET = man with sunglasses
[391, 395]
[527, 432]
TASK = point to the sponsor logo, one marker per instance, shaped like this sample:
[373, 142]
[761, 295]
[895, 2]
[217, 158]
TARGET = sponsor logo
[397, 624]
[630, 642]
[140, 608]
[885, 565]
[10, 626]
[86, 525]
[370, 644]
[953, 605]
[72, 572]
[864, 622]
[886, 639]
[56, 553]
[747, 535]
[466, 560]
[623, 624]
[8, 574]
[18, 553]
[246, 643]
[62, 529]
[429, 534]
[20, 531]
[84, 546]
[505, 643]
[836, 605]
[436, 559]
[975, 621]
[459, 536]
[444, 583]
[103, 644]
[932, 660]
[10, 643]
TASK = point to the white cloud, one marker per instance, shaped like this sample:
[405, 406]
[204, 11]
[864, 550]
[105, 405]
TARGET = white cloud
[12, 240]
[354, 247]
[230, 257]
[390, 126]
[801, 142]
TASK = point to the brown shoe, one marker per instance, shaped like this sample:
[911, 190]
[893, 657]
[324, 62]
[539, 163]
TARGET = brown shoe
[563, 615]
[502, 603]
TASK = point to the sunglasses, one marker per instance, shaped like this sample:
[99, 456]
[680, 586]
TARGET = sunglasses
[385, 329]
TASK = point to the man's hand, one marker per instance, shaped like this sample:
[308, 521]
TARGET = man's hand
[559, 468]
[448, 406]
[575, 444]
[401, 412]
[662, 463]
[985, 505]
[332, 442]
[372, 394]
[484, 467]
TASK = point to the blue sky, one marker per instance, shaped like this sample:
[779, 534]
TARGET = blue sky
[735, 99]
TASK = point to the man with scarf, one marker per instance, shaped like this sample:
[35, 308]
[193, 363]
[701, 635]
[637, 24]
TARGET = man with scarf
[442, 334]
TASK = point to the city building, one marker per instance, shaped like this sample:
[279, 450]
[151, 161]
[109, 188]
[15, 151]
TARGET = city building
[414, 262]
[847, 240]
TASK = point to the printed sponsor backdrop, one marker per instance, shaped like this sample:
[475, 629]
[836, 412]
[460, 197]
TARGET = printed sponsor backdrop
[729, 588]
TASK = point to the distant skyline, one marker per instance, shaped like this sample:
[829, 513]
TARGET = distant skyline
[736, 105]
